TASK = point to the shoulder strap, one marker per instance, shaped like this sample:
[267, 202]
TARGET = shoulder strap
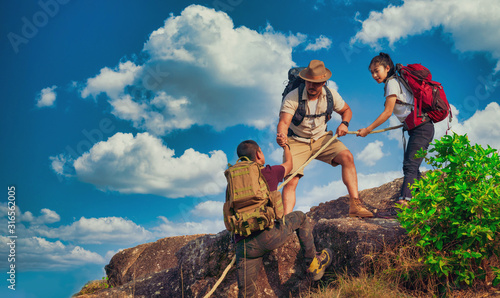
[243, 158]
[301, 91]
[300, 112]
[329, 106]
[401, 81]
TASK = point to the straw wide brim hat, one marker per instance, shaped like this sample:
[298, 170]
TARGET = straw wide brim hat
[316, 72]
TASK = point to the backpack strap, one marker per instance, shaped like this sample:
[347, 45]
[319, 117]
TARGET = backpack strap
[243, 158]
[300, 113]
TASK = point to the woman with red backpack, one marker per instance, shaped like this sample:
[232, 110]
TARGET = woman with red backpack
[400, 101]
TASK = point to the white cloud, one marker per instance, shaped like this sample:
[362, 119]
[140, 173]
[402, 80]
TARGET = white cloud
[336, 189]
[394, 134]
[208, 209]
[37, 253]
[471, 24]
[201, 70]
[372, 153]
[111, 81]
[46, 97]
[98, 230]
[62, 165]
[276, 155]
[47, 217]
[153, 116]
[110, 254]
[144, 165]
[170, 229]
[482, 128]
[321, 42]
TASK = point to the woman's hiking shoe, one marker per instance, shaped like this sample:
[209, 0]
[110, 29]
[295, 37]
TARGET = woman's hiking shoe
[402, 204]
[356, 209]
[319, 264]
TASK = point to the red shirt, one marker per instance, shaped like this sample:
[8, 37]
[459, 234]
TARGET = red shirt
[273, 175]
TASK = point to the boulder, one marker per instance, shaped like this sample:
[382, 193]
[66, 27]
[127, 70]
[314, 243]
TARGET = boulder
[350, 239]
[189, 266]
[137, 262]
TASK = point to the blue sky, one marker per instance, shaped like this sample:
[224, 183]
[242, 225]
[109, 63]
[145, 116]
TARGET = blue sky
[119, 117]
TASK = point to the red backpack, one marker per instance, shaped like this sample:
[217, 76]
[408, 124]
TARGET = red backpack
[428, 96]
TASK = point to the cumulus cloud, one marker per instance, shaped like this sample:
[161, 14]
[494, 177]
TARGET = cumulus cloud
[144, 165]
[321, 42]
[201, 70]
[208, 209]
[394, 134]
[276, 155]
[111, 81]
[114, 230]
[37, 253]
[62, 165]
[170, 229]
[46, 97]
[372, 153]
[471, 24]
[474, 127]
[336, 189]
[482, 128]
[47, 217]
[110, 254]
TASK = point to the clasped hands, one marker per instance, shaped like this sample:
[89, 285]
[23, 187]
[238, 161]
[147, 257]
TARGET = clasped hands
[281, 139]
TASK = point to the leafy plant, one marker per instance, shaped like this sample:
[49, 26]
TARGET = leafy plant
[94, 286]
[454, 216]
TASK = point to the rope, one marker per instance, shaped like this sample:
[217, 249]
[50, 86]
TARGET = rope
[221, 278]
[378, 130]
[308, 161]
[324, 147]
[284, 183]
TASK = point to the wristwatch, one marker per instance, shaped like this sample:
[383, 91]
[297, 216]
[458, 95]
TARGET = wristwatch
[345, 123]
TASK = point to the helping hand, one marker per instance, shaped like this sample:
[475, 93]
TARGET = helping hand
[281, 139]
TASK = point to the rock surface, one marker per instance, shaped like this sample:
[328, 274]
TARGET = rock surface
[137, 262]
[189, 266]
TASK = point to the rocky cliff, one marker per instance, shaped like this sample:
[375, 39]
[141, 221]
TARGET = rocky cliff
[189, 266]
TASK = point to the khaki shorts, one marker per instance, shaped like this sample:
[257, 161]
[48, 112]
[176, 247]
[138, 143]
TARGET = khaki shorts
[301, 152]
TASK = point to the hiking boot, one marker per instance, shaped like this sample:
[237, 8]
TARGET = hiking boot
[402, 203]
[319, 264]
[357, 210]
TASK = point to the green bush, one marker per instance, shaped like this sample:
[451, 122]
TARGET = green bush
[454, 216]
[94, 286]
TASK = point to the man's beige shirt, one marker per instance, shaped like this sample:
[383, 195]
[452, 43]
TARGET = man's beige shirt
[308, 131]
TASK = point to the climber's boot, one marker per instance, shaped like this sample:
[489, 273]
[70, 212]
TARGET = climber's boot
[356, 209]
[319, 263]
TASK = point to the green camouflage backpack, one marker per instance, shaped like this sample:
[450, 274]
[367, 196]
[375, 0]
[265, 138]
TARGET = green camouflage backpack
[249, 206]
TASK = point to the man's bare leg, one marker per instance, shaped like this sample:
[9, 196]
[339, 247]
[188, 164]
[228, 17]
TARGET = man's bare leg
[289, 195]
[350, 179]
[349, 175]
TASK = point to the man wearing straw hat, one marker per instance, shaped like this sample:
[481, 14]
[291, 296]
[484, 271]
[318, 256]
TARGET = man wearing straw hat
[308, 135]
